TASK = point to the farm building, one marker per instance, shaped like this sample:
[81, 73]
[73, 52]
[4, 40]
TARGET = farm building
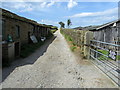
[17, 31]
[108, 32]
[105, 49]
[107, 37]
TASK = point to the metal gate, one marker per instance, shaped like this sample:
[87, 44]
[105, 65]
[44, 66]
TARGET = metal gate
[106, 56]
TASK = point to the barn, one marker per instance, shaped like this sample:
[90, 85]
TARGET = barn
[17, 31]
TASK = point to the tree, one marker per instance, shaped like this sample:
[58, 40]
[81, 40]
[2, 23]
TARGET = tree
[69, 23]
[62, 24]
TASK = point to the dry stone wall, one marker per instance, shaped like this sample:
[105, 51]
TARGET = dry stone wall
[80, 38]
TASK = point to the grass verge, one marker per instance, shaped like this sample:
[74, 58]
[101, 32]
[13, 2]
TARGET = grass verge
[73, 46]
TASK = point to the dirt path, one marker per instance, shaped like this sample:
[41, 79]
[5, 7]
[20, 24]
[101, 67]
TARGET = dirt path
[56, 68]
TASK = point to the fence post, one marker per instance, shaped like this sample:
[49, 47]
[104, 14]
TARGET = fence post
[88, 37]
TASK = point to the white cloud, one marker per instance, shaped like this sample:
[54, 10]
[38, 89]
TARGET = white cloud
[50, 4]
[21, 7]
[97, 20]
[87, 14]
[48, 22]
[59, 0]
[102, 19]
[82, 15]
[45, 4]
[24, 0]
[93, 21]
[28, 6]
[94, 18]
[71, 4]
[27, 9]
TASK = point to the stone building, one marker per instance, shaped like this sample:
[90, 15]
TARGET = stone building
[16, 31]
[41, 30]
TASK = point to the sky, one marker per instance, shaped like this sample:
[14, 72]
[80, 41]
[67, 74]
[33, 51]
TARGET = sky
[80, 13]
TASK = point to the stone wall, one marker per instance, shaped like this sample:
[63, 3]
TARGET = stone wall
[5, 54]
[5, 51]
[10, 28]
[80, 38]
[11, 24]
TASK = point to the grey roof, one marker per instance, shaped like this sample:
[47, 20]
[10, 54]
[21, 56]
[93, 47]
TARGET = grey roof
[105, 25]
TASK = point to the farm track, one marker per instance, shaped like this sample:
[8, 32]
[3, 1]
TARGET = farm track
[54, 66]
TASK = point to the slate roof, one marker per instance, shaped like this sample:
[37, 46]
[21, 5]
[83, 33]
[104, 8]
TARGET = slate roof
[105, 25]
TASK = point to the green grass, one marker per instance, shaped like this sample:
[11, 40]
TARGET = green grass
[69, 39]
[72, 48]
[27, 49]
[118, 57]
[103, 51]
[101, 57]
[53, 31]
[106, 53]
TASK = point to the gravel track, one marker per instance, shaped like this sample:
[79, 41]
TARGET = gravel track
[58, 67]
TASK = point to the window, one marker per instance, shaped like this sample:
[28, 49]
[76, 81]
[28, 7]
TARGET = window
[17, 31]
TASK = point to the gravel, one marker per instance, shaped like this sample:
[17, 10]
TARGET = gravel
[56, 68]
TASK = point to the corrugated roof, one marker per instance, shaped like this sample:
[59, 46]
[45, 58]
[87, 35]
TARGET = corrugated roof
[105, 25]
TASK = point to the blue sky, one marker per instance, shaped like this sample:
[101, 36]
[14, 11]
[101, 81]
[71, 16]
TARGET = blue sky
[80, 13]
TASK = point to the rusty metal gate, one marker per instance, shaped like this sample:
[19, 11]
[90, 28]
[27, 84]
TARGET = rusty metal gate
[106, 56]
